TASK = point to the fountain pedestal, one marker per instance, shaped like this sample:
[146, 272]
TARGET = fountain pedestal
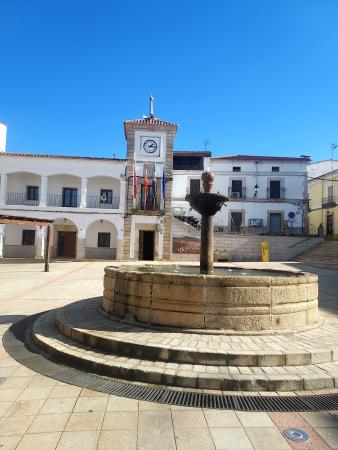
[207, 204]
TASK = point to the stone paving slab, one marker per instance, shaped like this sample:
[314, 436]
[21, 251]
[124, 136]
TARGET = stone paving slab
[83, 322]
[74, 281]
[279, 378]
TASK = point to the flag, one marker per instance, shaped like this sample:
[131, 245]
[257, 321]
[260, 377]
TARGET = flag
[154, 192]
[135, 184]
[163, 185]
[146, 188]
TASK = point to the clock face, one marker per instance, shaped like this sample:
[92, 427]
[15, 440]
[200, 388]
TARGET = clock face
[150, 146]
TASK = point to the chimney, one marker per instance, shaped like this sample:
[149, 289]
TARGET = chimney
[3, 132]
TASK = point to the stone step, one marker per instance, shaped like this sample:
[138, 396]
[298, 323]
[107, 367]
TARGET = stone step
[313, 376]
[82, 322]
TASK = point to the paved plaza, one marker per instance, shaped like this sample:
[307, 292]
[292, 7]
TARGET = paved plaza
[40, 412]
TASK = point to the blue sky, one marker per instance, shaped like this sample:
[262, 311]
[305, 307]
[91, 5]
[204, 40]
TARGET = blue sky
[251, 76]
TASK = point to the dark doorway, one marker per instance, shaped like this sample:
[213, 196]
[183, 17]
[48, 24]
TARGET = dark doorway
[275, 223]
[67, 244]
[236, 221]
[329, 226]
[146, 245]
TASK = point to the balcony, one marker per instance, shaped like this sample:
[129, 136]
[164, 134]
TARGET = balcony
[106, 203]
[236, 193]
[275, 194]
[62, 201]
[329, 202]
[14, 198]
[150, 205]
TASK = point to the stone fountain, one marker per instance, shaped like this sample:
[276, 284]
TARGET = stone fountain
[225, 298]
[207, 204]
[174, 324]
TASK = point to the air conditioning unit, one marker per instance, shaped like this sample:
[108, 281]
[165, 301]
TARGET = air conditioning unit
[236, 195]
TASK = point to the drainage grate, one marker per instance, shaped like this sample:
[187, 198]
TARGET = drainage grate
[18, 344]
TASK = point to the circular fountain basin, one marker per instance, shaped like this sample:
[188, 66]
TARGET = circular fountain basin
[231, 298]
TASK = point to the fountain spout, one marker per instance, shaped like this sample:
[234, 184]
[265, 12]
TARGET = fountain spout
[207, 204]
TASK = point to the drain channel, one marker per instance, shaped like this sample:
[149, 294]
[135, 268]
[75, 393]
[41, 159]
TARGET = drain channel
[18, 344]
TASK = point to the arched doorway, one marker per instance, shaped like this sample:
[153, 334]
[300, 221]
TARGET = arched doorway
[101, 240]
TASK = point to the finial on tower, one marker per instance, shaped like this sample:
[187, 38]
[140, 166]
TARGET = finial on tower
[151, 99]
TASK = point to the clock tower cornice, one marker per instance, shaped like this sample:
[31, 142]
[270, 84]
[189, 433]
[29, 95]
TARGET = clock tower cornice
[149, 124]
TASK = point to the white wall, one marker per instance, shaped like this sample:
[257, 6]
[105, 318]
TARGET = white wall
[104, 227]
[95, 184]
[13, 233]
[57, 182]
[18, 182]
[319, 168]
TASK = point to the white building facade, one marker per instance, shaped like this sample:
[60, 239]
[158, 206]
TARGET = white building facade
[83, 196]
[266, 194]
[95, 217]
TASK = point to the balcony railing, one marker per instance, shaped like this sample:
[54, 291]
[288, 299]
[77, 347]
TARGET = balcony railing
[149, 205]
[329, 202]
[14, 198]
[235, 193]
[62, 201]
[275, 194]
[98, 202]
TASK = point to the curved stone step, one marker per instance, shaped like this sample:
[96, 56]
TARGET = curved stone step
[48, 337]
[82, 322]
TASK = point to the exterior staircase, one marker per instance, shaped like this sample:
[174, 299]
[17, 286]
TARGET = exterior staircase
[324, 254]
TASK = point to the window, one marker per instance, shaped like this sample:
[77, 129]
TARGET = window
[106, 196]
[103, 240]
[69, 197]
[33, 193]
[236, 169]
[275, 169]
[195, 186]
[275, 189]
[236, 189]
[28, 237]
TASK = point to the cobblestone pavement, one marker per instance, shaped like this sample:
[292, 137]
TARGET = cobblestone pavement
[39, 412]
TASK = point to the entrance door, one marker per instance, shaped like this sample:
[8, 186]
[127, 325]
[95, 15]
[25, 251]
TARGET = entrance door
[329, 226]
[275, 223]
[146, 245]
[236, 221]
[67, 244]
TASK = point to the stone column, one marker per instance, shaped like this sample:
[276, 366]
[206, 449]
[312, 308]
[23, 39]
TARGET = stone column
[43, 191]
[83, 197]
[3, 189]
[81, 244]
[40, 242]
[207, 248]
[2, 240]
[122, 194]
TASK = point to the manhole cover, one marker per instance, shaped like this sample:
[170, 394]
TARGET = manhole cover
[295, 434]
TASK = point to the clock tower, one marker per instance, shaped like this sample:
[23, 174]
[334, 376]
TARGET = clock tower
[147, 222]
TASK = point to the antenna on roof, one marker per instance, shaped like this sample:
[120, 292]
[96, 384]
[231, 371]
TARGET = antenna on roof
[151, 105]
[206, 143]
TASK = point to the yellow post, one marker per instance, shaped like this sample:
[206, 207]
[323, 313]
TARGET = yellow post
[265, 251]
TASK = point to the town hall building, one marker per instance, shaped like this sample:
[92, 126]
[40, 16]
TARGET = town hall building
[135, 208]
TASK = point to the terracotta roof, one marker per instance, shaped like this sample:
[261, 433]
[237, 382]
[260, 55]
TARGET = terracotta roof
[192, 153]
[261, 158]
[24, 220]
[148, 121]
[38, 155]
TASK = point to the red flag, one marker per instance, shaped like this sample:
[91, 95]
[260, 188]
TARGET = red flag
[135, 184]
